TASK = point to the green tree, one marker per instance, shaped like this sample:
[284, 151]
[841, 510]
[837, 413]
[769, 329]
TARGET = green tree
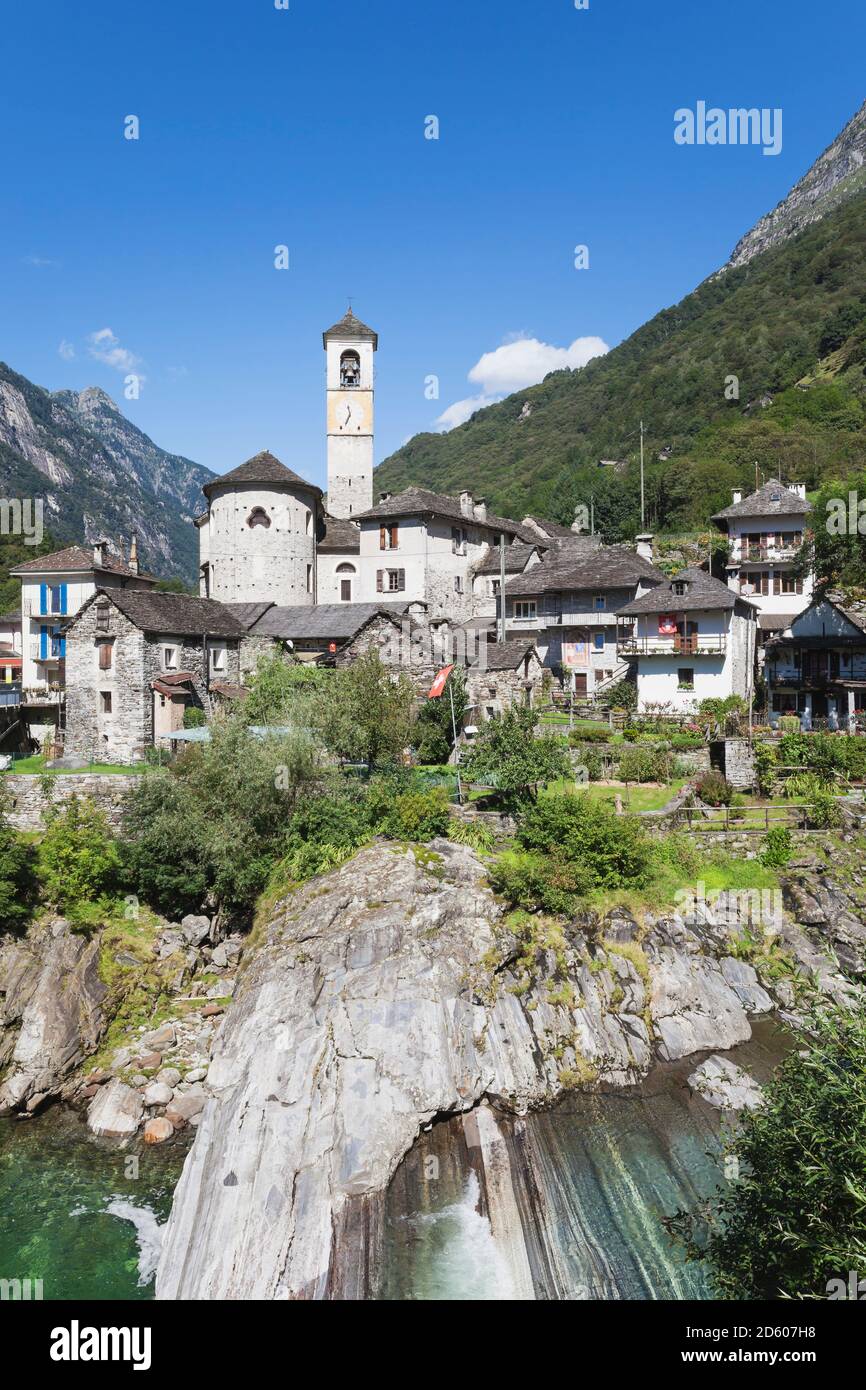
[280, 691]
[79, 855]
[365, 713]
[18, 881]
[795, 1217]
[434, 728]
[510, 756]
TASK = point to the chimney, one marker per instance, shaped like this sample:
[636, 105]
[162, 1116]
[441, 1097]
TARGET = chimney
[466, 504]
[384, 496]
[738, 495]
[133, 553]
[579, 520]
[99, 554]
[800, 489]
[480, 509]
[643, 544]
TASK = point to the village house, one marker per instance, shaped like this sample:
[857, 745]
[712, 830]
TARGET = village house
[692, 639]
[508, 673]
[135, 661]
[567, 606]
[765, 531]
[53, 588]
[315, 634]
[818, 668]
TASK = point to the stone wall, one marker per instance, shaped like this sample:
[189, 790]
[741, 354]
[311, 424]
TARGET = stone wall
[26, 795]
[739, 762]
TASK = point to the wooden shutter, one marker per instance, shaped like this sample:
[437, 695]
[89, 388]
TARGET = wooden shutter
[381, 539]
[401, 579]
[104, 656]
[394, 538]
[379, 575]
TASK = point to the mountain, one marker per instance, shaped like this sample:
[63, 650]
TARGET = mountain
[100, 476]
[838, 174]
[761, 366]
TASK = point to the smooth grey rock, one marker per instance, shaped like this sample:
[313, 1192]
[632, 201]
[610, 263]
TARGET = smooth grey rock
[743, 979]
[51, 1010]
[115, 1111]
[195, 929]
[157, 1094]
[725, 1085]
[168, 1076]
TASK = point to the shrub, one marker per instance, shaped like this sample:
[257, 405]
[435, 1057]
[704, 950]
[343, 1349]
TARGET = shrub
[623, 695]
[778, 848]
[418, 815]
[79, 856]
[825, 813]
[805, 784]
[194, 717]
[766, 761]
[594, 764]
[533, 881]
[511, 758]
[714, 789]
[610, 851]
[789, 723]
[475, 834]
[18, 882]
[795, 1219]
[643, 764]
[587, 734]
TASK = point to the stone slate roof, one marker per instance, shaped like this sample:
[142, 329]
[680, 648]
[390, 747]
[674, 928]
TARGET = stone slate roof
[176, 615]
[340, 534]
[517, 557]
[552, 529]
[504, 656]
[855, 611]
[575, 567]
[324, 622]
[704, 592]
[10, 619]
[415, 501]
[262, 468]
[351, 327]
[775, 622]
[75, 558]
[773, 499]
[248, 613]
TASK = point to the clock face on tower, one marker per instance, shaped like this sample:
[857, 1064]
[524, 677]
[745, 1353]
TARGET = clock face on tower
[349, 414]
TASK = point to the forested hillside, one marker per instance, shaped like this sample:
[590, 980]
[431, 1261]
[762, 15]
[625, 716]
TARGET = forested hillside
[790, 326]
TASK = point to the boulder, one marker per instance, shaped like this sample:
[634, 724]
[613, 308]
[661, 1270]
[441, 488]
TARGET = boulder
[156, 1131]
[169, 1076]
[725, 1085]
[183, 1107]
[160, 1038]
[195, 929]
[115, 1111]
[157, 1094]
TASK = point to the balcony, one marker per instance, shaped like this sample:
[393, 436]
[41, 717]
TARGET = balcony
[696, 644]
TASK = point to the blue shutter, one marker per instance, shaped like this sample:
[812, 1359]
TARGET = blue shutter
[63, 599]
[43, 640]
[43, 599]
[63, 646]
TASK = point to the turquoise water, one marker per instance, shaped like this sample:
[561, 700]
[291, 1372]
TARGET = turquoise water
[72, 1215]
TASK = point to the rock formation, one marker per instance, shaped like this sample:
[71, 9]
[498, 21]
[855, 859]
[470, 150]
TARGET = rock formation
[392, 993]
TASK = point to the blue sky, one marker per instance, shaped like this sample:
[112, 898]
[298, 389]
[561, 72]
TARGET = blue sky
[261, 127]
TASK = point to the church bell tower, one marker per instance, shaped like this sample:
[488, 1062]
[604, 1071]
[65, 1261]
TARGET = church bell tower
[349, 348]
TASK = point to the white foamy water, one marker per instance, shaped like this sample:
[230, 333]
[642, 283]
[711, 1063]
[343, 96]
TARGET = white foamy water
[463, 1260]
[148, 1234]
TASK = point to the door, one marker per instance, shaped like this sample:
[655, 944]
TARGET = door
[346, 590]
[580, 683]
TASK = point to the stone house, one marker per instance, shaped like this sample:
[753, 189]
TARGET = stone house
[314, 634]
[765, 531]
[510, 674]
[567, 606]
[424, 546]
[692, 638]
[135, 661]
[53, 588]
[818, 668]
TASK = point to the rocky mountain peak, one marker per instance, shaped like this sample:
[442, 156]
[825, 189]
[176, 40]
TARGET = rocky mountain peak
[837, 175]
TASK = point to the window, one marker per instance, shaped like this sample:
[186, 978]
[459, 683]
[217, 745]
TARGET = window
[345, 591]
[218, 658]
[787, 584]
[598, 641]
[757, 582]
[679, 586]
[390, 581]
[388, 537]
[58, 643]
[309, 579]
[686, 678]
[459, 537]
[494, 587]
[526, 608]
[458, 583]
[599, 603]
[169, 658]
[104, 656]
[350, 368]
[258, 517]
[102, 616]
[105, 701]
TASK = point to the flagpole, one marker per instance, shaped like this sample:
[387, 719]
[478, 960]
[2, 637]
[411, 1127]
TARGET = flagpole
[454, 728]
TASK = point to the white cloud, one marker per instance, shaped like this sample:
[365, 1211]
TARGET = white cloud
[518, 362]
[104, 346]
[66, 350]
[40, 262]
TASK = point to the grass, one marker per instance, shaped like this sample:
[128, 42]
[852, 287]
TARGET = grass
[36, 764]
[634, 797]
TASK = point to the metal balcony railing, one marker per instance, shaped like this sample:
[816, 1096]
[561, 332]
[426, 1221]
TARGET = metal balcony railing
[695, 644]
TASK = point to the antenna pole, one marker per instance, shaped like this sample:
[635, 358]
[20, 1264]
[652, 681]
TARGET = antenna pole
[642, 493]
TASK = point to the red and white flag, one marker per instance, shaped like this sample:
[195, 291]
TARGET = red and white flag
[440, 682]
